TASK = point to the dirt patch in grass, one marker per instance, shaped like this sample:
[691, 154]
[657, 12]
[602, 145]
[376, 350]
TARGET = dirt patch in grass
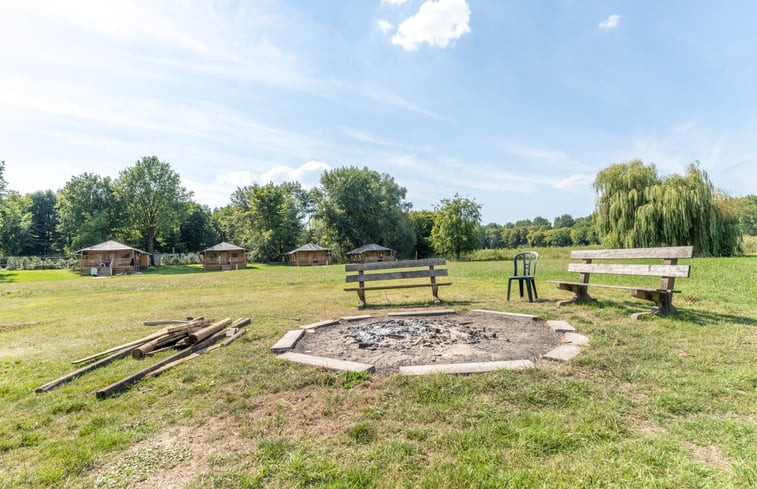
[710, 454]
[174, 457]
[394, 341]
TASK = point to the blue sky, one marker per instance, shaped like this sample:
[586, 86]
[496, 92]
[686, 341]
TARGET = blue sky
[515, 104]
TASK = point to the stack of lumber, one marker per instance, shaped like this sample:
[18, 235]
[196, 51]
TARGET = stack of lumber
[191, 338]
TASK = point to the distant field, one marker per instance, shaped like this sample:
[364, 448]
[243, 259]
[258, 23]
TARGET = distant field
[665, 402]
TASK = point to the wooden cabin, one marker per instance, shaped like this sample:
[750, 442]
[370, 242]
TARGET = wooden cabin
[112, 258]
[371, 253]
[309, 255]
[223, 256]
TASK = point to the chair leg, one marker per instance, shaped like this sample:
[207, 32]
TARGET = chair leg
[509, 283]
[528, 287]
[533, 284]
[520, 285]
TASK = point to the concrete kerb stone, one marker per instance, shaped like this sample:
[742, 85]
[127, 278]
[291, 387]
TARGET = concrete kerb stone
[466, 368]
[575, 339]
[562, 353]
[320, 324]
[433, 312]
[561, 326]
[510, 314]
[288, 341]
[357, 318]
[328, 363]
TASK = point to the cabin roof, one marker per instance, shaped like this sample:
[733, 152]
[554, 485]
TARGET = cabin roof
[223, 246]
[369, 247]
[308, 247]
[111, 245]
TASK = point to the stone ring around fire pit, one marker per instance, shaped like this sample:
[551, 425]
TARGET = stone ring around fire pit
[433, 341]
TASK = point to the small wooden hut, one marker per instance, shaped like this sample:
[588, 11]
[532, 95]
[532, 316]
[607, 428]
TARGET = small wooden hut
[112, 258]
[309, 255]
[371, 253]
[223, 256]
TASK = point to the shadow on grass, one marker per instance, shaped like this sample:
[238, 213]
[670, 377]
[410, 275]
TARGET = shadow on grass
[700, 318]
[184, 269]
[416, 305]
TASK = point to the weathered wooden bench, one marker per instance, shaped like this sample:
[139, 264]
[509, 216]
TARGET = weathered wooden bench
[427, 271]
[662, 296]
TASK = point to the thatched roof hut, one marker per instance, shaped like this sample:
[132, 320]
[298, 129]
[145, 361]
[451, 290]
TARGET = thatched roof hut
[371, 253]
[223, 256]
[112, 258]
[309, 255]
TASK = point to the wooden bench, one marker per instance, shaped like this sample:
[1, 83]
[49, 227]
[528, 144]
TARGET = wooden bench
[662, 296]
[427, 271]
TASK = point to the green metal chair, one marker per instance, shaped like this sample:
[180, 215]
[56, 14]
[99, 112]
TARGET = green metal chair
[527, 273]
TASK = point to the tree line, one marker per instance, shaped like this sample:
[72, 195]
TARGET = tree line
[147, 207]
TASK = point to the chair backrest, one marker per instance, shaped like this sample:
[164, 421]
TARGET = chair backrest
[528, 261]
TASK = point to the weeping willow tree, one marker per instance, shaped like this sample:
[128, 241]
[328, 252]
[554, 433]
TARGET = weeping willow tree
[637, 208]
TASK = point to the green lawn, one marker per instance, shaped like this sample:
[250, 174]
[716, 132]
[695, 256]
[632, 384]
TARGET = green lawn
[664, 402]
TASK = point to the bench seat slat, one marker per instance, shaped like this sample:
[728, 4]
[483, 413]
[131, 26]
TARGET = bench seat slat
[664, 252]
[399, 286]
[383, 265]
[624, 269]
[612, 286]
[397, 275]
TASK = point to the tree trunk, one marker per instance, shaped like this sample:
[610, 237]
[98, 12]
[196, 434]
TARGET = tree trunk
[151, 244]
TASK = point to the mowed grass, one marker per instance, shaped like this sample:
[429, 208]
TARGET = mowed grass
[663, 402]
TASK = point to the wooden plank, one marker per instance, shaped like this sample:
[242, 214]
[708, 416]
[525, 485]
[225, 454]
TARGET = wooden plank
[328, 363]
[623, 269]
[200, 335]
[662, 252]
[398, 286]
[288, 341]
[384, 265]
[466, 368]
[624, 287]
[397, 275]
[88, 368]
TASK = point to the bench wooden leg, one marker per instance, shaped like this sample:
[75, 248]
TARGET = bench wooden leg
[663, 302]
[435, 292]
[581, 294]
[361, 298]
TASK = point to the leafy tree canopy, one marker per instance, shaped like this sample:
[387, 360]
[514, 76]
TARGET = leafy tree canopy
[636, 208]
[153, 199]
[361, 206]
[456, 226]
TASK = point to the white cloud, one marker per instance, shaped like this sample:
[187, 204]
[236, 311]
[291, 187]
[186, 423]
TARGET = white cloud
[384, 25]
[577, 183]
[610, 22]
[308, 174]
[436, 23]
[394, 2]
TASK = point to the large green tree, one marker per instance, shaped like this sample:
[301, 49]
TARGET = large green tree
[152, 198]
[422, 222]
[44, 222]
[637, 208]
[87, 211]
[15, 225]
[361, 206]
[456, 226]
[270, 217]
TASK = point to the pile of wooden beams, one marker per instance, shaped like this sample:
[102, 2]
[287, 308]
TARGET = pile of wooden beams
[190, 338]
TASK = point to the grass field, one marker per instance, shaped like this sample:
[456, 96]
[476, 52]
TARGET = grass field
[668, 402]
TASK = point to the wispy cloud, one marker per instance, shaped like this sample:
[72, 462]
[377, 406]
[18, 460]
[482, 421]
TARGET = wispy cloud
[577, 182]
[436, 23]
[394, 2]
[384, 26]
[610, 22]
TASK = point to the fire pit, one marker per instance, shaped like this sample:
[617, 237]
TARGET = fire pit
[429, 339]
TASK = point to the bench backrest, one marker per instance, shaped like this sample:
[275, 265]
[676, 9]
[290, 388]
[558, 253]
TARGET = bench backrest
[669, 270]
[428, 264]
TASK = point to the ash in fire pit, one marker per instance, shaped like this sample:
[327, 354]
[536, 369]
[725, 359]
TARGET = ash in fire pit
[406, 333]
[392, 342]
